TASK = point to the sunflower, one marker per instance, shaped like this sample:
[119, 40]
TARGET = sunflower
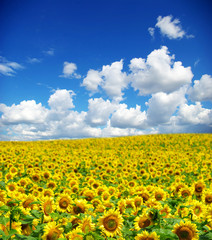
[47, 205]
[199, 187]
[186, 231]
[63, 203]
[95, 202]
[2, 196]
[198, 209]
[111, 223]
[11, 187]
[122, 206]
[79, 206]
[27, 202]
[35, 177]
[88, 194]
[47, 193]
[75, 234]
[100, 190]
[142, 221]
[165, 211]
[105, 196]
[182, 211]
[209, 214]
[13, 171]
[147, 236]
[207, 197]
[185, 192]
[52, 231]
[15, 225]
[86, 225]
[46, 174]
[159, 194]
[51, 185]
[27, 229]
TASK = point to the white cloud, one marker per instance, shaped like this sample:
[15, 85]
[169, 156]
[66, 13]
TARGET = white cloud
[111, 79]
[194, 114]
[202, 89]
[69, 70]
[151, 31]
[170, 28]
[33, 60]
[162, 106]
[114, 79]
[159, 73]
[49, 52]
[25, 112]
[8, 68]
[92, 80]
[128, 118]
[99, 111]
[61, 100]
[110, 131]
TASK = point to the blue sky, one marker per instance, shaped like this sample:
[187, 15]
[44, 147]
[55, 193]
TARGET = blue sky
[73, 69]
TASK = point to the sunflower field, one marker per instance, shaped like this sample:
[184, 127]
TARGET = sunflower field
[141, 187]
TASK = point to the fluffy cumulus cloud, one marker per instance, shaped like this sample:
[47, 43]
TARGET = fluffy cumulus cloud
[25, 112]
[111, 79]
[162, 106]
[99, 111]
[165, 83]
[92, 81]
[158, 73]
[61, 100]
[129, 118]
[202, 89]
[170, 28]
[69, 70]
[8, 68]
[194, 114]
[29, 120]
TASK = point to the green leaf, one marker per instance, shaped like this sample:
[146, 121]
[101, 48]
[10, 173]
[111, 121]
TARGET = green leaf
[166, 234]
[2, 185]
[36, 202]
[5, 208]
[2, 234]
[4, 220]
[36, 213]
[22, 237]
[207, 236]
[11, 233]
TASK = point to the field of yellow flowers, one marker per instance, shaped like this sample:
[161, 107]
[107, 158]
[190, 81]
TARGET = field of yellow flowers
[142, 187]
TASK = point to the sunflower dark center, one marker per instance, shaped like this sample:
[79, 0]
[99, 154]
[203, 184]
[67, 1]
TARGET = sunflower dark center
[63, 203]
[185, 233]
[208, 199]
[78, 210]
[53, 235]
[144, 222]
[110, 223]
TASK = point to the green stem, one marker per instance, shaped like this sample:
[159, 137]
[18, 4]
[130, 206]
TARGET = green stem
[42, 219]
[10, 222]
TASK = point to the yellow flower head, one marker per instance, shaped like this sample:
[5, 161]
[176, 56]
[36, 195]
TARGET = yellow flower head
[111, 223]
[142, 221]
[63, 203]
[86, 225]
[147, 236]
[80, 206]
[186, 231]
[52, 231]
